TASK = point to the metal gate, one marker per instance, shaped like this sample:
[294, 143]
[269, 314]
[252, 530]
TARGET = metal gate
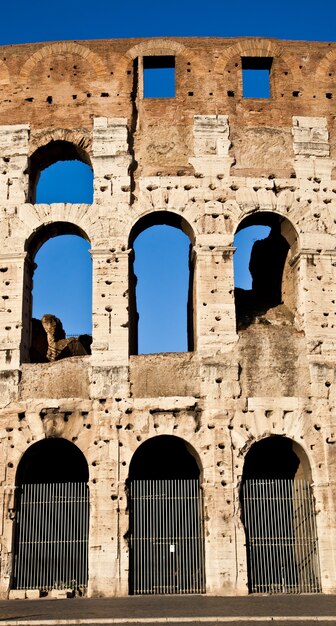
[166, 537]
[51, 539]
[282, 551]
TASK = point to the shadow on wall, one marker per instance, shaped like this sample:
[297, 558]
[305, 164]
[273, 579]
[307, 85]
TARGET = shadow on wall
[272, 278]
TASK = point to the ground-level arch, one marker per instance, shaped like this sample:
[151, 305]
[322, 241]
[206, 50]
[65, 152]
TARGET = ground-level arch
[279, 519]
[166, 526]
[50, 546]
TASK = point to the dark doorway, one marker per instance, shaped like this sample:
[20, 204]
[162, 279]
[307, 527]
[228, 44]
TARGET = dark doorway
[52, 518]
[166, 531]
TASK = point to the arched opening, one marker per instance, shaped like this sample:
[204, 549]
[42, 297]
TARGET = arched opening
[264, 278]
[52, 518]
[279, 519]
[166, 526]
[161, 285]
[58, 299]
[60, 172]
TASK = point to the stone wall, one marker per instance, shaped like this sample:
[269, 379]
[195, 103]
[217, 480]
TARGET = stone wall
[210, 161]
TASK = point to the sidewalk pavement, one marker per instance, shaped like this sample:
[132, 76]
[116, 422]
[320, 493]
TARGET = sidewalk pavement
[284, 609]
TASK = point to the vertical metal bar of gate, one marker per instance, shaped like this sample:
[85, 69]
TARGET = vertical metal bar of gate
[166, 537]
[280, 527]
[51, 536]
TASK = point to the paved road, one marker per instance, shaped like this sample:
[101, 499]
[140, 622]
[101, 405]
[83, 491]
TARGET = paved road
[293, 610]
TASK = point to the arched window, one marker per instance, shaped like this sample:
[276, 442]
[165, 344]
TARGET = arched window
[58, 310]
[279, 519]
[161, 285]
[52, 518]
[60, 172]
[166, 528]
[264, 277]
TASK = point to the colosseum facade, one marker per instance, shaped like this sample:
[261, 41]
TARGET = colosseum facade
[207, 471]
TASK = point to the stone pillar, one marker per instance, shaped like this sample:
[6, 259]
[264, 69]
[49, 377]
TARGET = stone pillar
[103, 560]
[111, 160]
[211, 145]
[326, 529]
[318, 276]
[7, 525]
[14, 179]
[214, 304]
[14, 313]
[110, 307]
[311, 148]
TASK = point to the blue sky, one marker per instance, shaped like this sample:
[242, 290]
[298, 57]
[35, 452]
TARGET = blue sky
[33, 21]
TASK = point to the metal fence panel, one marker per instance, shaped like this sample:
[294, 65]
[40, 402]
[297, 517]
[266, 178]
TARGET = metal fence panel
[166, 539]
[282, 550]
[51, 538]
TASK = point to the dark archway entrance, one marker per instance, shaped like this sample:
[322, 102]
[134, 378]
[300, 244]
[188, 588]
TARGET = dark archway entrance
[166, 530]
[279, 519]
[52, 518]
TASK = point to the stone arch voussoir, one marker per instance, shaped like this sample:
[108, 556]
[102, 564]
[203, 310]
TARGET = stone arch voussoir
[79, 137]
[78, 215]
[90, 57]
[145, 217]
[323, 67]
[253, 48]
[156, 47]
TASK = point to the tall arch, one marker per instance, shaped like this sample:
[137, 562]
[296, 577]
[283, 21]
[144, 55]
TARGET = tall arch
[173, 221]
[270, 265]
[279, 518]
[50, 545]
[44, 340]
[166, 528]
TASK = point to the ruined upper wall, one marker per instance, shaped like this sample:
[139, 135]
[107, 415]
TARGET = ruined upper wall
[62, 85]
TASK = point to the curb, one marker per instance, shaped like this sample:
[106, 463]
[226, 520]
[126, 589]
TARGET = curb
[169, 620]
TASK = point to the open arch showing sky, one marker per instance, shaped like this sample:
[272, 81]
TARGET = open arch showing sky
[62, 283]
[63, 277]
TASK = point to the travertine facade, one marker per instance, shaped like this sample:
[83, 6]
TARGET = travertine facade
[209, 161]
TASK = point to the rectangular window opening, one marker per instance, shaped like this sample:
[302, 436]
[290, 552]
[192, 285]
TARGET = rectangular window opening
[256, 77]
[159, 76]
